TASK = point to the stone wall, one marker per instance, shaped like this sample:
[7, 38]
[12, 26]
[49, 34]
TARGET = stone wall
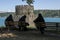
[25, 10]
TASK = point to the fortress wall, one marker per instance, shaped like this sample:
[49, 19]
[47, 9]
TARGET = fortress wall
[26, 10]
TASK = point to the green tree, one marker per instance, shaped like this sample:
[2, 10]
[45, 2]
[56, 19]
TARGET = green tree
[29, 2]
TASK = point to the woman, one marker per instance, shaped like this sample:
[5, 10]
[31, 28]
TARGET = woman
[40, 23]
[22, 23]
[9, 22]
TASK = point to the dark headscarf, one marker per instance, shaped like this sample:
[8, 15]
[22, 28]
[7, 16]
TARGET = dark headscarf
[22, 18]
[9, 18]
[39, 18]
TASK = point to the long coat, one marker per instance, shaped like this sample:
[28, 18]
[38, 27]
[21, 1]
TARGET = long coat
[39, 21]
[22, 21]
[9, 21]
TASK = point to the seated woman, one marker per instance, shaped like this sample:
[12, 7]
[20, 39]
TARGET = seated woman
[22, 23]
[9, 22]
[40, 23]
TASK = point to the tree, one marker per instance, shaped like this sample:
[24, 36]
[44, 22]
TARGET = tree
[29, 2]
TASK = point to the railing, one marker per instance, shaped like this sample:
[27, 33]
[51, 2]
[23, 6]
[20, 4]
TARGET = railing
[55, 25]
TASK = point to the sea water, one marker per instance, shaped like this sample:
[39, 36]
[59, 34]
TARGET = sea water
[2, 20]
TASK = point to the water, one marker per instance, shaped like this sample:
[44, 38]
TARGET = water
[52, 20]
[2, 20]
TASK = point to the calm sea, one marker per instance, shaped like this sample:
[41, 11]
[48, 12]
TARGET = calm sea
[2, 20]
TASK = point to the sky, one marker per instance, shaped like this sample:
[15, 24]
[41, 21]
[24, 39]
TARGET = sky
[9, 5]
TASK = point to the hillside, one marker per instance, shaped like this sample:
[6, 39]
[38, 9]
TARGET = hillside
[48, 13]
[45, 13]
[5, 14]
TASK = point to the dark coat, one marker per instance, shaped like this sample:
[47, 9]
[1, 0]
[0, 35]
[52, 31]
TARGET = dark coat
[39, 21]
[9, 18]
[22, 21]
[9, 21]
[22, 18]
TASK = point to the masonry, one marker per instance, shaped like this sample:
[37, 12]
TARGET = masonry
[27, 10]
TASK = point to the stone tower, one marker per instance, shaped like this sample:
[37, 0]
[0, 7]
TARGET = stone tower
[26, 10]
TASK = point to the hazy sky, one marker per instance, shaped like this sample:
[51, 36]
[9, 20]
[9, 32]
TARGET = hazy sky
[9, 5]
